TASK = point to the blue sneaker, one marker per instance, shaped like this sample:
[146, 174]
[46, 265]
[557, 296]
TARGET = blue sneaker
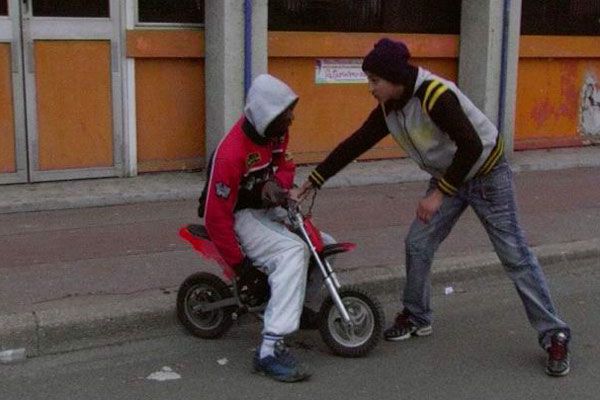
[282, 366]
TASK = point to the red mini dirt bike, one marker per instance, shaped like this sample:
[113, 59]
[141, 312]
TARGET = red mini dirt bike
[350, 320]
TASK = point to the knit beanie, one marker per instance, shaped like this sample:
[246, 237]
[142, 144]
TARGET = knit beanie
[388, 60]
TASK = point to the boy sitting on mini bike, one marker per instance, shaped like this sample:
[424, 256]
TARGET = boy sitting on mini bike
[249, 178]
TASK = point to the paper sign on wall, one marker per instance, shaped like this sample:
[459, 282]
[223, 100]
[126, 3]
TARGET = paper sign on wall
[339, 70]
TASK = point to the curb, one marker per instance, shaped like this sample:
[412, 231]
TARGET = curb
[152, 314]
[387, 278]
[75, 327]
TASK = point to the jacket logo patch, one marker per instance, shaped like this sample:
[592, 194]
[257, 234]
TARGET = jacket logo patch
[223, 190]
[252, 159]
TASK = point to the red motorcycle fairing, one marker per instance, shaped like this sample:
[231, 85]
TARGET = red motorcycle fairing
[314, 234]
[196, 235]
[317, 240]
[337, 248]
[203, 245]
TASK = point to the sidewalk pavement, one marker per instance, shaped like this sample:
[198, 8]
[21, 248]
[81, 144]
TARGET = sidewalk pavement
[556, 211]
[184, 185]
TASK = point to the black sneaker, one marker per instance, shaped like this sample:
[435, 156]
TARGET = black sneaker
[403, 329]
[558, 355]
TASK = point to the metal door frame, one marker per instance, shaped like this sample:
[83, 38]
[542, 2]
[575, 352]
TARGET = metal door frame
[69, 28]
[10, 32]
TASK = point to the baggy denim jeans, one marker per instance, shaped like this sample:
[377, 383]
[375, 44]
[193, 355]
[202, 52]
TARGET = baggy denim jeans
[492, 198]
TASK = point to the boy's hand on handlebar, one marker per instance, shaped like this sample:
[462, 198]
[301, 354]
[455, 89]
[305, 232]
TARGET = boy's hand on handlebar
[300, 193]
[273, 195]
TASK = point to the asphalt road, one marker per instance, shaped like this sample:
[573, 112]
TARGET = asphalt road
[481, 348]
[54, 257]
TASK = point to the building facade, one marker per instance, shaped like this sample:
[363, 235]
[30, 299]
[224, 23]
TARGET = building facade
[121, 87]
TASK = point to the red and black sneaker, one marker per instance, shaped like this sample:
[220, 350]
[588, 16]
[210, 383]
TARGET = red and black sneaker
[558, 355]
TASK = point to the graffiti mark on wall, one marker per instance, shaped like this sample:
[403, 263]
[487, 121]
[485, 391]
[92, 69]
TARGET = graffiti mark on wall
[590, 107]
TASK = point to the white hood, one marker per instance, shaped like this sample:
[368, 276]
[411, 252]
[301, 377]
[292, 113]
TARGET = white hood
[267, 98]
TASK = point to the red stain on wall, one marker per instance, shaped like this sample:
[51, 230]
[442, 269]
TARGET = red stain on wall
[558, 99]
[569, 91]
[541, 112]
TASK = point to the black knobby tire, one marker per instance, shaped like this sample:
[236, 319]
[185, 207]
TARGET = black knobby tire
[364, 310]
[198, 288]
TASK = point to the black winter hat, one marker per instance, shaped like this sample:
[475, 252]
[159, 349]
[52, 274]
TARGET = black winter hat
[388, 60]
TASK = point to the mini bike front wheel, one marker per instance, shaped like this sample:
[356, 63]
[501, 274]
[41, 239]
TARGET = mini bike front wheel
[203, 288]
[362, 335]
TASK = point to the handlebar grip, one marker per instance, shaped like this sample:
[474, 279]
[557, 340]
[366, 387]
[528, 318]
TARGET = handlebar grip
[292, 205]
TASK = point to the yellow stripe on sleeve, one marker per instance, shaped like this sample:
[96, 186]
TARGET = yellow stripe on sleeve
[435, 96]
[318, 179]
[430, 88]
[446, 188]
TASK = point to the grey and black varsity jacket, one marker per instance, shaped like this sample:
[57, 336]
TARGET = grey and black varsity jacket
[436, 125]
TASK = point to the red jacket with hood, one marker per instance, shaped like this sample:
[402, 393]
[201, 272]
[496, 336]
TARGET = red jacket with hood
[244, 160]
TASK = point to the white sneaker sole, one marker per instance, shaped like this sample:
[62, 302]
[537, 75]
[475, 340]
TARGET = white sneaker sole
[558, 374]
[423, 331]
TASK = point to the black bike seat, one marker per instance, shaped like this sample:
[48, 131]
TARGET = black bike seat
[198, 231]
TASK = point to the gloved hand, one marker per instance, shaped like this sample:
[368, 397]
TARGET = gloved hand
[273, 195]
[243, 267]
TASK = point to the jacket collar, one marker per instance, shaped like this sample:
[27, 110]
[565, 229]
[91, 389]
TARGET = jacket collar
[252, 133]
[409, 92]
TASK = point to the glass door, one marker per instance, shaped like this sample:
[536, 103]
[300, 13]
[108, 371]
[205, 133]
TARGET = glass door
[13, 156]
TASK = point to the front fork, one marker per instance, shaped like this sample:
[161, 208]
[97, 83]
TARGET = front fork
[331, 281]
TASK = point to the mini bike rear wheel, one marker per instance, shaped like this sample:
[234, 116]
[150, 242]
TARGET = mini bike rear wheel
[203, 288]
[362, 335]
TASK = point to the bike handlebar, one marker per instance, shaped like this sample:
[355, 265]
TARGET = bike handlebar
[292, 206]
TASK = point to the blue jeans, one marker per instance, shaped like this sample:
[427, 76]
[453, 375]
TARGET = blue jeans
[492, 198]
